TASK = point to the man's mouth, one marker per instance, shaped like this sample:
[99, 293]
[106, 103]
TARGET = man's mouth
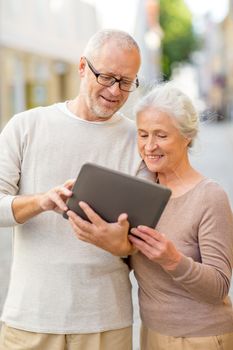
[109, 99]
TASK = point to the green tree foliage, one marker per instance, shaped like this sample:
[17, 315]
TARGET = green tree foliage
[179, 38]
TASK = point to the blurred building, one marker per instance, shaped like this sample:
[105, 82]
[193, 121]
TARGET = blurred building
[210, 66]
[140, 18]
[41, 42]
[215, 65]
[148, 33]
[227, 28]
[40, 45]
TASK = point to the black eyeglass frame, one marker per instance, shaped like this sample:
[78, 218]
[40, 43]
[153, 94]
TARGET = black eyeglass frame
[134, 84]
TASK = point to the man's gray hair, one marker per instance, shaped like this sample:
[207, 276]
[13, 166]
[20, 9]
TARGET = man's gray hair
[167, 98]
[122, 39]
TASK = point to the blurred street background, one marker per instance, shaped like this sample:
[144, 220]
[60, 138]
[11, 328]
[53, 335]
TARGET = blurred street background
[187, 41]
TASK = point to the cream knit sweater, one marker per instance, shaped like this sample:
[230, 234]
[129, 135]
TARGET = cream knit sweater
[58, 283]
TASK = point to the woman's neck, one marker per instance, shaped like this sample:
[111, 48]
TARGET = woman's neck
[180, 180]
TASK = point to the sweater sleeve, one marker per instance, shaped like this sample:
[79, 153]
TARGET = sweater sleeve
[209, 280]
[10, 165]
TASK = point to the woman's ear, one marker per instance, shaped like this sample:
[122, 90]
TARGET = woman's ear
[188, 141]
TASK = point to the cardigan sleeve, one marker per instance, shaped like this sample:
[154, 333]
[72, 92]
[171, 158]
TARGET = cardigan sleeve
[209, 280]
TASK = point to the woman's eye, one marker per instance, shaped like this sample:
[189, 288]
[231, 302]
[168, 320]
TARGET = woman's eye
[162, 136]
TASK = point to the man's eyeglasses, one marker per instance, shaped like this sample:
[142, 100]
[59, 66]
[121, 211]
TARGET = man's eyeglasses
[109, 80]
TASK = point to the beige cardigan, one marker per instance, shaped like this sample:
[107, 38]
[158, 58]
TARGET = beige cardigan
[193, 299]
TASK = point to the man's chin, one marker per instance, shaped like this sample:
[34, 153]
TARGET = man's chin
[104, 114]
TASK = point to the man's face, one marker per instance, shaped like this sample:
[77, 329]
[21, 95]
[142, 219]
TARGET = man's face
[101, 102]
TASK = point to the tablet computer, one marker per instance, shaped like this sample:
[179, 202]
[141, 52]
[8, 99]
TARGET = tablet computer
[110, 193]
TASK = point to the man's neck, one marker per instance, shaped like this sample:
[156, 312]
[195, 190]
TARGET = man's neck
[79, 108]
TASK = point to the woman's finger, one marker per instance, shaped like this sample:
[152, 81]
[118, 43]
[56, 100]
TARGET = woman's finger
[142, 246]
[144, 236]
[151, 232]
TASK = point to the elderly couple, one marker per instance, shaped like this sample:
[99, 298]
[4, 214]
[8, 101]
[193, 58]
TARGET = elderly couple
[69, 286]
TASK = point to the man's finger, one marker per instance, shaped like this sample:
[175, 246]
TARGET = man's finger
[92, 216]
[69, 183]
[79, 222]
[57, 200]
[123, 219]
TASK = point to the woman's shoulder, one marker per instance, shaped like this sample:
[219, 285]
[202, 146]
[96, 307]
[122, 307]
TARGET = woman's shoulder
[213, 196]
[207, 193]
[211, 188]
[204, 188]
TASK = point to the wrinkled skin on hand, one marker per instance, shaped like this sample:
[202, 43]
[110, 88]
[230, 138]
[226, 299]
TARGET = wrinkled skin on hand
[112, 237]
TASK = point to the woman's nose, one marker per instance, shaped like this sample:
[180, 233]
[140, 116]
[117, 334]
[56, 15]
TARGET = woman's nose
[151, 145]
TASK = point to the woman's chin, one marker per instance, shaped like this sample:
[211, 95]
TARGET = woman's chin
[152, 167]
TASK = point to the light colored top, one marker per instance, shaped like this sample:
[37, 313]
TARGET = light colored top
[58, 283]
[191, 300]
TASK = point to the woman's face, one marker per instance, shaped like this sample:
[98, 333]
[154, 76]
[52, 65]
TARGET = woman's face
[160, 143]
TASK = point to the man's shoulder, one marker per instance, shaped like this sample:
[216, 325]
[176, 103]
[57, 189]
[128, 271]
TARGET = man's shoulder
[32, 113]
[36, 110]
[126, 122]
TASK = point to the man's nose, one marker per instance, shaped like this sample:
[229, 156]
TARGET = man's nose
[115, 89]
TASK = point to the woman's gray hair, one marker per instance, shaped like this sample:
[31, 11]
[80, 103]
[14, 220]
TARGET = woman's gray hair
[167, 98]
[99, 39]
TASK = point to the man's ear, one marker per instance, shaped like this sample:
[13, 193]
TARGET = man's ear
[81, 67]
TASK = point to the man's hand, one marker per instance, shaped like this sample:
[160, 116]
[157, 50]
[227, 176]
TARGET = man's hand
[112, 237]
[26, 207]
[55, 199]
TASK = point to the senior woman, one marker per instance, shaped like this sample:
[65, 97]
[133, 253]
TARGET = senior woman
[183, 267]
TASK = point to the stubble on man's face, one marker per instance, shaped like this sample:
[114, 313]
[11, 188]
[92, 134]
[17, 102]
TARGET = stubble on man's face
[101, 108]
[103, 102]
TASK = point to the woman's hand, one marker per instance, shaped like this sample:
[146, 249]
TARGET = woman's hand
[156, 247]
[112, 237]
